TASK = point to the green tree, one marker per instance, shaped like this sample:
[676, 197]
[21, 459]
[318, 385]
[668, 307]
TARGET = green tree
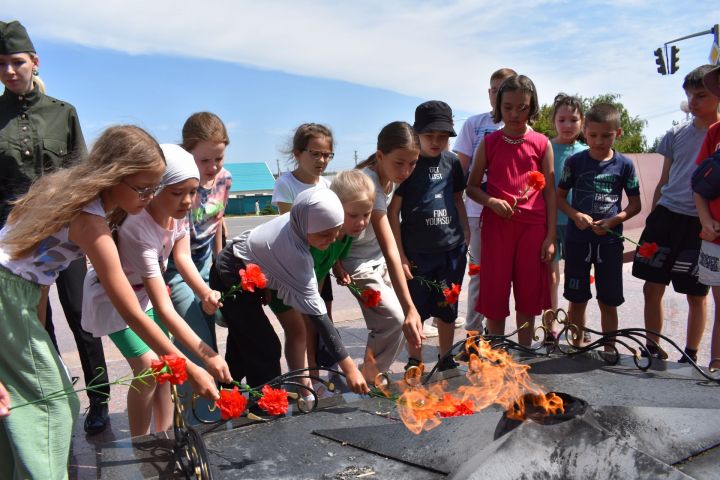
[632, 139]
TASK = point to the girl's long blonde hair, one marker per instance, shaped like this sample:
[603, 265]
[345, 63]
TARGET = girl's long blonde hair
[55, 199]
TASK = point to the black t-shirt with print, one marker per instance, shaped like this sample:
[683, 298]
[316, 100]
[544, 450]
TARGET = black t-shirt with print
[430, 220]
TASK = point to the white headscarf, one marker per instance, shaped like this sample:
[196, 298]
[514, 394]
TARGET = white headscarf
[180, 165]
[281, 249]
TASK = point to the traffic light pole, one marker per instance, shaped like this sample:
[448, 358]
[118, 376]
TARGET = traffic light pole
[673, 59]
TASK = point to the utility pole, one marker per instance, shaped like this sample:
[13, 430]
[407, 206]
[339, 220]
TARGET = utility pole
[356, 158]
[278, 167]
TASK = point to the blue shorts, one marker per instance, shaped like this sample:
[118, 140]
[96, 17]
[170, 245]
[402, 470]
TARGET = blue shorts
[607, 261]
[442, 268]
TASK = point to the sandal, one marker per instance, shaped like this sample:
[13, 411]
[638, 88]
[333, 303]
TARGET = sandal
[714, 365]
[586, 337]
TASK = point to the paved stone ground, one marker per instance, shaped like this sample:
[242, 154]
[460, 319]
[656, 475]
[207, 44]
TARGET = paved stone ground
[352, 328]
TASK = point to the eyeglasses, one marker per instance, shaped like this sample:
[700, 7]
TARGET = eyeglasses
[145, 192]
[317, 154]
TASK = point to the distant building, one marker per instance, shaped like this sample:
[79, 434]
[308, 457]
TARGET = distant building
[251, 182]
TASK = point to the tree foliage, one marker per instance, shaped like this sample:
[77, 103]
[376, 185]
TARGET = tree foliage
[632, 139]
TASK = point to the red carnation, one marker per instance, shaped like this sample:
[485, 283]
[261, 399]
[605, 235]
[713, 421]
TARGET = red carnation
[251, 277]
[592, 279]
[231, 403]
[452, 294]
[473, 269]
[647, 250]
[536, 180]
[169, 368]
[274, 400]
[371, 298]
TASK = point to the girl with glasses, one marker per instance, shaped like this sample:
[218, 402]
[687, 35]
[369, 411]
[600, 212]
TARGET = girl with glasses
[35, 245]
[145, 242]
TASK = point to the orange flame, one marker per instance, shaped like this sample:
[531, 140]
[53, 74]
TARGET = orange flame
[494, 378]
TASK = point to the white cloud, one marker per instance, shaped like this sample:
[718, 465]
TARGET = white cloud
[431, 49]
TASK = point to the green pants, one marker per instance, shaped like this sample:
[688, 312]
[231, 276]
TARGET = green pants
[35, 439]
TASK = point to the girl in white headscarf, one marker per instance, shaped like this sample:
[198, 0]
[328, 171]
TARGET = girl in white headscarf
[144, 242]
[281, 248]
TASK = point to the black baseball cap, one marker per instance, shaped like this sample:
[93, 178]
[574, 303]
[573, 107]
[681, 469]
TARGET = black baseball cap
[434, 116]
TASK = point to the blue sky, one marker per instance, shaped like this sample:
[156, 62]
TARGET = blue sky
[266, 67]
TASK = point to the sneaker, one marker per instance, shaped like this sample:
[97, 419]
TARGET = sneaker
[97, 418]
[447, 363]
[655, 352]
[412, 362]
[429, 330]
[459, 323]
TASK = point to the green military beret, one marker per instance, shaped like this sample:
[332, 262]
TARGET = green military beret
[14, 39]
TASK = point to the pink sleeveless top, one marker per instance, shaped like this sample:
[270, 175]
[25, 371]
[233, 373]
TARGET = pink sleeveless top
[508, 166]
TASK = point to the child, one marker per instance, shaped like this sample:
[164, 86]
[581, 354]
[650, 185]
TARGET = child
[567, 118]
[709, 213]
[673, 223]
[518, 234]
[357, 194]
[203, 135]
[431, 238]
[145, 242]
[597, 178]
[281, 248]
[374, 261]
[311, 149]
[121, 173]
[472, 132]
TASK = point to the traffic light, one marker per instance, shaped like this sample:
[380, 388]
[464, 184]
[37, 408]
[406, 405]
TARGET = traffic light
[660, 62]
[674, 59]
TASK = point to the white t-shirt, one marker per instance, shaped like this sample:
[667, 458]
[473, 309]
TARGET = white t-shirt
[52, 255]
[144, 248]
[365, 250]
[287, 187]
[473, 131]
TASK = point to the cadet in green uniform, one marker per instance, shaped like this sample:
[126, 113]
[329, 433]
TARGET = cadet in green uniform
[39, 134]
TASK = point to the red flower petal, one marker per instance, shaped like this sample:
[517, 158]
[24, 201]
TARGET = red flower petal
[251, 277]
[169, 368]
[231, 403]
[473, 269]
[647, 250]
[536, 180]
[371, 298]
[274, 400]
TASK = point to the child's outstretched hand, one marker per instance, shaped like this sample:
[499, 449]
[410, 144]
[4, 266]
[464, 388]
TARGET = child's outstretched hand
[218, 368]
[501, 208]
[582, 220]
[413, 328]
[341, 275]
[211, 302]
[202, 382]
[710, 230]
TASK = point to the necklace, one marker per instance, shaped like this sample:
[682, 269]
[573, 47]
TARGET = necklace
[513, 141]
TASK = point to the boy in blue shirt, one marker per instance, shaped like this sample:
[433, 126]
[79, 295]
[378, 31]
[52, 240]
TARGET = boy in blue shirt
[431, 238]
[597, 178]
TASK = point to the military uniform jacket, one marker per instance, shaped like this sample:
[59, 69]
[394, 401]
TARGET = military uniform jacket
[38, 134]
